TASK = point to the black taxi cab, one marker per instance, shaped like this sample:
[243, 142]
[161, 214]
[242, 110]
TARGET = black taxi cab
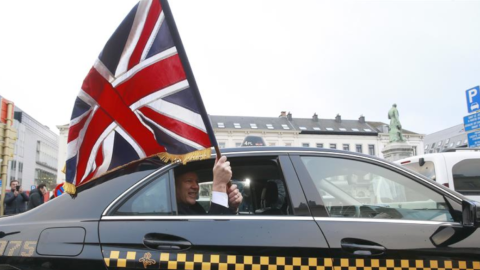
[303, 209]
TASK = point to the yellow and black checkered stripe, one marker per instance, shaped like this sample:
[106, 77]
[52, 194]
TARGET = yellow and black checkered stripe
[189, 261]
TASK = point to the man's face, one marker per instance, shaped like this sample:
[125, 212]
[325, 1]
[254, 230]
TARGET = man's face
[187, 188]
[14, 184]
[43, 190]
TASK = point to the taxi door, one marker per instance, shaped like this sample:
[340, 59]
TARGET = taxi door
[379, 217]
[141, 230]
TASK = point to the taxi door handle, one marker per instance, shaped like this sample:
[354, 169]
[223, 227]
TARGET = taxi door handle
[362, 248]
[167, 244]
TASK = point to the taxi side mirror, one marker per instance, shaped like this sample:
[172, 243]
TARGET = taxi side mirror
[471, 214]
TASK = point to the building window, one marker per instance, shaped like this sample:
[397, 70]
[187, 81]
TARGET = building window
[319, 145]
[447, 140]
[220, 125]
[46, 155]
[272, 144]
[458, 143]
[451, 144]
[433, 145]
[415, 150]
[47, 178]
[439, 143]
[333, 146]
[285, 126]
[237, 125]
[238, 144]
[221, 145]
[346, 147]
[305, 145]
[253, 125]
[330, 129]
[269, 126]
[342, 129]
[316, 128]
[303, 128]
[288, 144]
[358, 148]
[426, 147]
[371, 149]
[367, 130]
[355, 129]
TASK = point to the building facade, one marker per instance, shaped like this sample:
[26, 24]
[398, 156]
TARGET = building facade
[35, 157]
[351, 135]
[62, 152]
[452, 137]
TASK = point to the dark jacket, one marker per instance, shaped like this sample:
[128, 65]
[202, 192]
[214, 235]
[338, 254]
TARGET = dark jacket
[15, 205]
[36, 198]
[197, 209]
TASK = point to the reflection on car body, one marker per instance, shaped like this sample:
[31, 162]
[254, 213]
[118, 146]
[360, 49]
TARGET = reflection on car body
[303, 209]
[455, 170]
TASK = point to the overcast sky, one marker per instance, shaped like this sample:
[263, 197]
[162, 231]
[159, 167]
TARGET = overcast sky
[257, 58]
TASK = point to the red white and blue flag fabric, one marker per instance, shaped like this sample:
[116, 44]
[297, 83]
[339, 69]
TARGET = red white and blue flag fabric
[139, 99]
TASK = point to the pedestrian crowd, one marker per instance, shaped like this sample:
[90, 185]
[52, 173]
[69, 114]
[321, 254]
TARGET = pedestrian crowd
[17, 201]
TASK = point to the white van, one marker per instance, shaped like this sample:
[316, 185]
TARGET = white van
[458, 170]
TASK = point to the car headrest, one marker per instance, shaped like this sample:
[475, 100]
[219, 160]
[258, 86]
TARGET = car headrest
[274, 194]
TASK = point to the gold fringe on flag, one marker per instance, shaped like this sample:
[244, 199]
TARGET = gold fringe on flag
[165, 157]
[196, 155]
[69, 188]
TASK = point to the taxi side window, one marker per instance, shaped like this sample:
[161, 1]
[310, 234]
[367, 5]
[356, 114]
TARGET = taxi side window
[260, 197]
[260, 181]
[352, 188]
[151, 200]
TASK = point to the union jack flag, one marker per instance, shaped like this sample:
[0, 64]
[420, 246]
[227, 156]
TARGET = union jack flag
[138, 100]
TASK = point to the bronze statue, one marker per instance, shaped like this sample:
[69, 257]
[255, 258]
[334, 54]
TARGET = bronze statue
[395, 128]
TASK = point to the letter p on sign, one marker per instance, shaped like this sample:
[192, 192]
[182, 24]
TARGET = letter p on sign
[473, 99]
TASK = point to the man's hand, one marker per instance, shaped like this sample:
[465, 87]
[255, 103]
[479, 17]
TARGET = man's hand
[20, 190]
[222, 173]
[235, 198]
[15, 193]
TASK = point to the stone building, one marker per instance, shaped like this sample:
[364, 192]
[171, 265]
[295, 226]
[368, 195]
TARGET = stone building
[357, 135]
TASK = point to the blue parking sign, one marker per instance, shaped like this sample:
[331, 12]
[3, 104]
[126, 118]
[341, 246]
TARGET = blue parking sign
[474, 139]
[473, 99]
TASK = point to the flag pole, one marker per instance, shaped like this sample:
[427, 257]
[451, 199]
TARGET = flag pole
[189, 73]
[217, 150]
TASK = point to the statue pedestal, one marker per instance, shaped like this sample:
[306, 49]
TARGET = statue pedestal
[397, 150]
